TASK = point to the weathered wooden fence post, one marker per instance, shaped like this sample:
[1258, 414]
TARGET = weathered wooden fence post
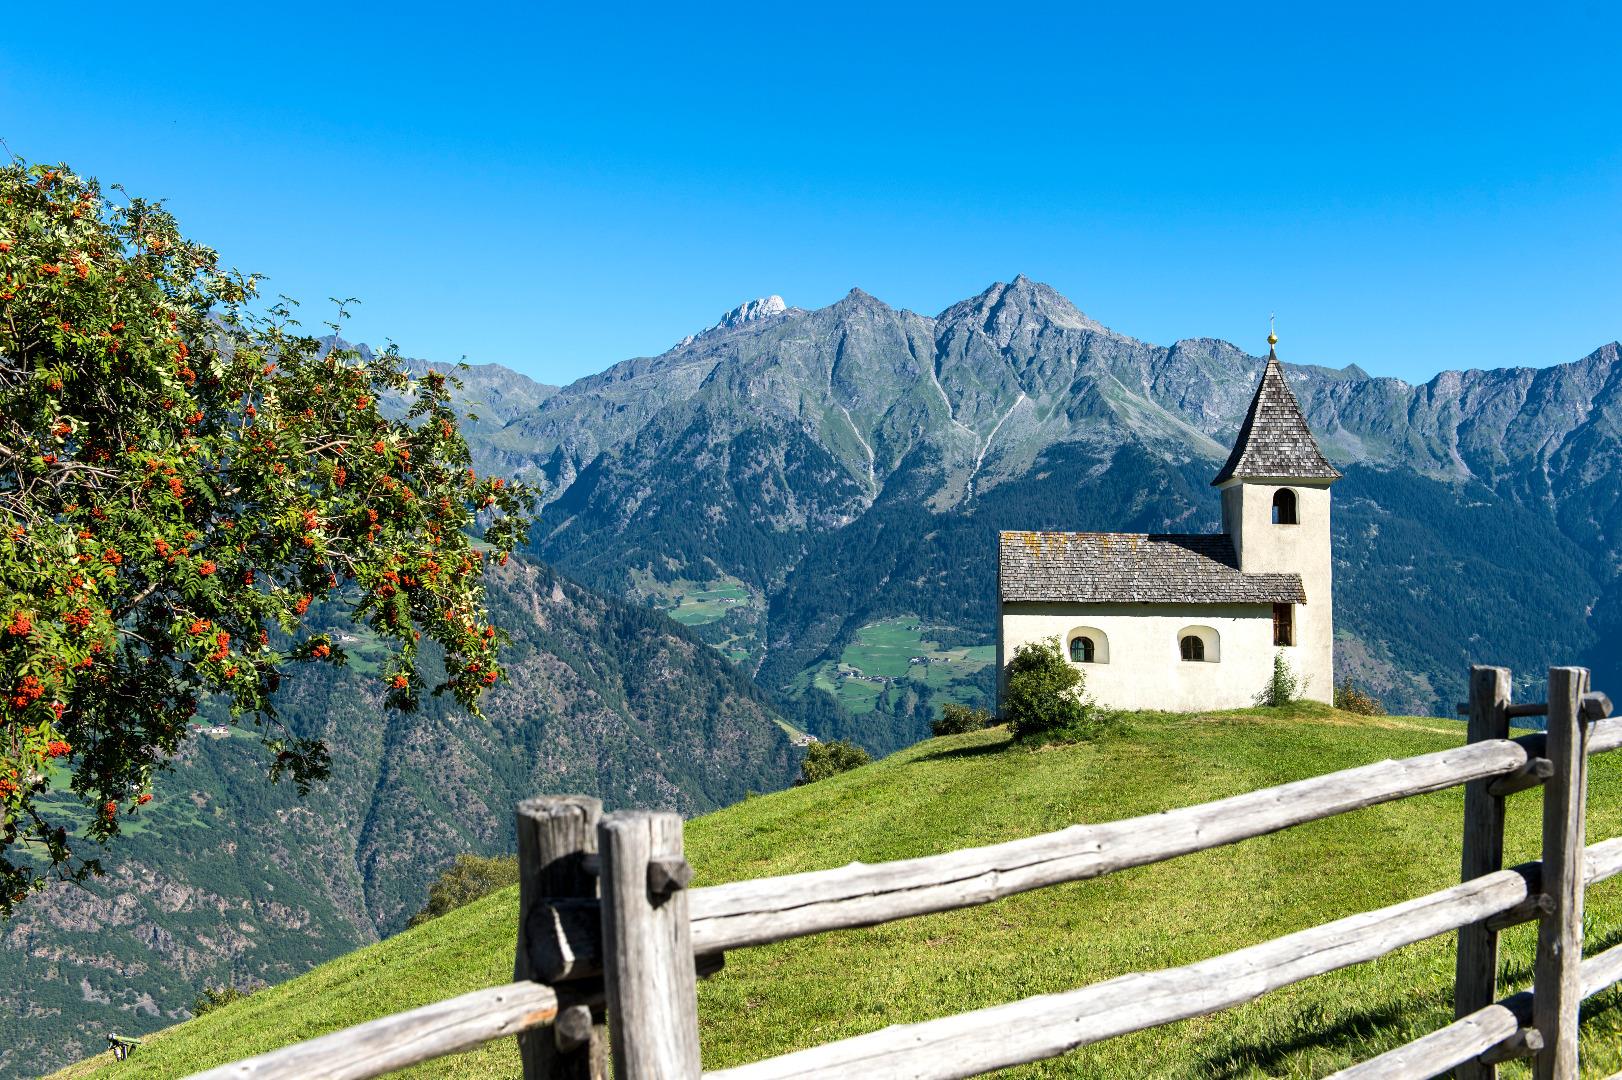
[1476, 974]
[1556, 978]
[556, 837]
[647, 947]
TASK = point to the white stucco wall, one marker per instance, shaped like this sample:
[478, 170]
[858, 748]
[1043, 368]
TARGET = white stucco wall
[1146, 669]
[1304, 548]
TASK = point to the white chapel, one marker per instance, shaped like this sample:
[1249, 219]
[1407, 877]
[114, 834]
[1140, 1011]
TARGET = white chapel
[1185, 622]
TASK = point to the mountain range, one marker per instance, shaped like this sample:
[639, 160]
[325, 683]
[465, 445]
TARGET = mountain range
[853, 463]
[814, 495]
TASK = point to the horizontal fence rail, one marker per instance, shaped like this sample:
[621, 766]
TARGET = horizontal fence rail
[1605, 735]
[408, 1038]
[772, 909]
[1477, 1034]
[1051, 1024]
[639, 947]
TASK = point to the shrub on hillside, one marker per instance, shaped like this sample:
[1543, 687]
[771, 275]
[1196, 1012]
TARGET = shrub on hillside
[956, 719]
[1350, 699]
[824, 759]
[215, 997]
[1044, 699]
[1284, 687]
[465, 880]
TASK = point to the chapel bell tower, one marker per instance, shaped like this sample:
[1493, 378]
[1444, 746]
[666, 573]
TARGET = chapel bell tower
[1275, 507]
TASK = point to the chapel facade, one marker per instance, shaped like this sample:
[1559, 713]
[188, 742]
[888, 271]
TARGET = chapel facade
[1192, 621]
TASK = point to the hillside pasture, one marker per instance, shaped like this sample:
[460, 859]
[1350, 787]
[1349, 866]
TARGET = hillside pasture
[894, 653]
[977, 789]
[723, 609]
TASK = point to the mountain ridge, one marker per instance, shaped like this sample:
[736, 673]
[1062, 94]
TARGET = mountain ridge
[740, 454]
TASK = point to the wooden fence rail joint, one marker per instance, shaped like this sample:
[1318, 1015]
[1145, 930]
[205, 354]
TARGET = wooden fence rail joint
[572, 1029]
[1596, 705]
[1523, 1044]
[1534, 772]
[1529, 910]
[565, 939]
[666, 876]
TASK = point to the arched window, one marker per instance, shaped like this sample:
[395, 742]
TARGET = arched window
[1199, 644]
[1284, 507]
[1088, 645]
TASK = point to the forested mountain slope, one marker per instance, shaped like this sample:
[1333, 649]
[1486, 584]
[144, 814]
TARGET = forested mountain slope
[225, 878]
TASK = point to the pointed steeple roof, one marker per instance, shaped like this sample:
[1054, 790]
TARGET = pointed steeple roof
[1274, 440]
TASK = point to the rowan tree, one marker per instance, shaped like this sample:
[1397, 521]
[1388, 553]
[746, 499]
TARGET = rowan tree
[183, 474]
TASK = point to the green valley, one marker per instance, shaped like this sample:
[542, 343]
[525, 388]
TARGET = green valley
[976, 789]
[900, 655]
[722, 612]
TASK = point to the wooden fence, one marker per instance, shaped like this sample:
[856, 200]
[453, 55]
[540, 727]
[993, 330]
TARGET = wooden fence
[611, 940]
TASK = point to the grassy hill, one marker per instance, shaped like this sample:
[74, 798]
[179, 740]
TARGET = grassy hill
[975, 789]
[227, 877]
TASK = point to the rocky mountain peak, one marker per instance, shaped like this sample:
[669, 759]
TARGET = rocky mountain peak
[860, 298]
[1006, 305]
[748, 312]
[762, 308]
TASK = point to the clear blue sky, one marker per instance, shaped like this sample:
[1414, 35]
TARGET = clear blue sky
[557, 187]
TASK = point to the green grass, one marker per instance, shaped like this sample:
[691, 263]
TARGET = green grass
[723, 611]
[707, 605]
[695, 603]
[885, 650]
[975, 789]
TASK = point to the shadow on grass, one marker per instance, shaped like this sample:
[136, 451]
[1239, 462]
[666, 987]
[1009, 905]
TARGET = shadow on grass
[1112, 731]
[1269, 1056]
[1361, 1031]
[978, 750]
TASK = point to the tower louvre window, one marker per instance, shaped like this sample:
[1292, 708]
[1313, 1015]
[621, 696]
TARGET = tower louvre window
[1284, 507]
[1283, 624]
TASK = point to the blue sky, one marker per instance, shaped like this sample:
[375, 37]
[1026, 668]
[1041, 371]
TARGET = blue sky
[558, 187]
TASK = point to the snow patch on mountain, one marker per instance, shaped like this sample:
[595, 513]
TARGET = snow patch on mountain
[753, 311]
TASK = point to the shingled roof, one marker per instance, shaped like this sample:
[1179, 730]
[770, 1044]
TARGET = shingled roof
[1274, 440]
[1164, 568]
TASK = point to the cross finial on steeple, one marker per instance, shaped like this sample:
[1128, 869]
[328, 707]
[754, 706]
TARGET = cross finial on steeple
[1272, 334]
